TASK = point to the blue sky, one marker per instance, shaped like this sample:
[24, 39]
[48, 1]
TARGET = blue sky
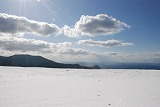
[111, 30]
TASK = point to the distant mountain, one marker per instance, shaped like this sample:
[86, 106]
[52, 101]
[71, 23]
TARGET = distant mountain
[131, 66]
[37, 61]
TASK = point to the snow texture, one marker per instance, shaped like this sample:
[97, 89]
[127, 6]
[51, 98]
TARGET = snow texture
[46, 87]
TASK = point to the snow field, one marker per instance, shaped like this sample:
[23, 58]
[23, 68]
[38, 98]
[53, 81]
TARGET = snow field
[47, 87]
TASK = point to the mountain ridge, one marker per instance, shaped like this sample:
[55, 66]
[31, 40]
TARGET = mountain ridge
[26, 60]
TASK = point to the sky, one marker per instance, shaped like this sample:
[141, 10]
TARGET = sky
[73, 31]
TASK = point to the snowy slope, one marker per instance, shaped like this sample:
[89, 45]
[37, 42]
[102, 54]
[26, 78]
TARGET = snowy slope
[43, 87]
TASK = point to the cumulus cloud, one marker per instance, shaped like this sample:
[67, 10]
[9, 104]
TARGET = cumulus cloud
[70, 32]
[63, 51]
[64, 44]
[101, 24]
[109, 43]
[25, 45]
[15, 44]
[71, 51]
[11, 24]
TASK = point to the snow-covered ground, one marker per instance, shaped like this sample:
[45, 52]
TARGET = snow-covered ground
[44, 87]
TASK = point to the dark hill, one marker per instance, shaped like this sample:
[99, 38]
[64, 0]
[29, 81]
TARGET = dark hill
[37, 61]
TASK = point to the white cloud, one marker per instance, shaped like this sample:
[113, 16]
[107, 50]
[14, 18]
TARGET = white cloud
[100, 24]
[153, 54]
[109, 43]
[12, 27]
[62, 52]
[70, 32]
[25, 45]
[11, 24]
[143, 57]
[64, 44]
[71, 51]
[22, 45]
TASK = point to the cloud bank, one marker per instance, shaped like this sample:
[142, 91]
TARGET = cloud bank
[20, 45]
[11, 24]
[63, 52]
[109, 43]
[100, 24]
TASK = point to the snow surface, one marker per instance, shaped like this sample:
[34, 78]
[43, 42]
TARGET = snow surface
[45, 87]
